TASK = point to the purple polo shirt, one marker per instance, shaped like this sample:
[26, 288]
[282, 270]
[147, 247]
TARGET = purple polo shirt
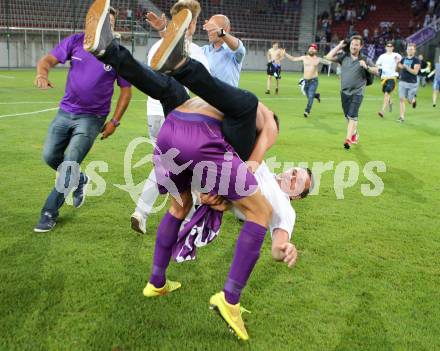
[90, 83]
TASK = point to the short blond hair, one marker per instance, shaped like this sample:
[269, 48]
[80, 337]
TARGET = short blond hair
[192, 5]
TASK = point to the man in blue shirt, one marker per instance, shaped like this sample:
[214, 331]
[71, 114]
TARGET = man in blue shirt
[225, 53]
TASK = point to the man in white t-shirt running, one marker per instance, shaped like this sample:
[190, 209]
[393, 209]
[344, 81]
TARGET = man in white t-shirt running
[387, 63]
[155, 113]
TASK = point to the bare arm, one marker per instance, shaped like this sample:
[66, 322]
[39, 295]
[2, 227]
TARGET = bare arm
[414, 70]
[121, 107]
[293, 58]
[43, 66]
[267, 134]
[332, 55]
[282, 249]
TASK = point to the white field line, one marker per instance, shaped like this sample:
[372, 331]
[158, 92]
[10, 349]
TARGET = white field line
[6, 77]
[30, 113]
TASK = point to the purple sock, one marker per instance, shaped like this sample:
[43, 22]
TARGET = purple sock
[166, 237]
[247, 252]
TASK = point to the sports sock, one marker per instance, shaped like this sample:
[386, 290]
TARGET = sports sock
[166, 237]
[247, 252]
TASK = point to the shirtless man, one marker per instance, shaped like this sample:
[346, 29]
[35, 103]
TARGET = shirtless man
[311, 63]
[274, 57]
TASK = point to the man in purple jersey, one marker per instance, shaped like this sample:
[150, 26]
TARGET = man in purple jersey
[81, 117]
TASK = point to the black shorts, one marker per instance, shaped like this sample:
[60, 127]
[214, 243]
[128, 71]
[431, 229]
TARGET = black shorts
[388, 85]
[351, 105]
[274, 70]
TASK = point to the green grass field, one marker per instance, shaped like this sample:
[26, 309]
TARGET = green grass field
[367, 277]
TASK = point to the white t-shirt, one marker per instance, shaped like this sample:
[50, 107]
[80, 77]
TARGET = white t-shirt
[283, 214]
[154, 106]
[388, 63]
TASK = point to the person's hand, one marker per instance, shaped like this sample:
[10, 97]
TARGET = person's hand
[211, 200]
[363, 64]
[342, 44]
[108, 129]
[223, 206]
[156, 22]
[290, 253]
[211, 27]
[42, 82]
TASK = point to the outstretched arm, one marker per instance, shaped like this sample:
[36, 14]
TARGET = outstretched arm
[293, 58]
[282, 249]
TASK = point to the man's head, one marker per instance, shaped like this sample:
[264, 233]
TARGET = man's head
[296, 182]
[220, 21]
[411, 49]
[313, 49]
[113, 13]
[275, 45]
[389, 47]
[193, 6]
[356, 44]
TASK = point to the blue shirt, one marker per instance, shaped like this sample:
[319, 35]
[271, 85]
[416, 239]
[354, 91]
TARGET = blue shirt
[224, 63]
[437, 71]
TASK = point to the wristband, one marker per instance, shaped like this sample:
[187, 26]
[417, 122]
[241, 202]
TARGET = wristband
[115, 122]
[221, 33]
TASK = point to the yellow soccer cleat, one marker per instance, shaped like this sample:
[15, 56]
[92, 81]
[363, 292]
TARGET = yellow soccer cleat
[151, 291]
[230, 313]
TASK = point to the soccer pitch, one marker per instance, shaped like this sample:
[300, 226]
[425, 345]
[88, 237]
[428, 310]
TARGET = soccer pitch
[368, 272]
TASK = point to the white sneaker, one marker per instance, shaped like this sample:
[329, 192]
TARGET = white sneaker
[139, 223]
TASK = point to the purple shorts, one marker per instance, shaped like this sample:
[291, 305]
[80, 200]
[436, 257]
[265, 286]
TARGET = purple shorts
[191, 153]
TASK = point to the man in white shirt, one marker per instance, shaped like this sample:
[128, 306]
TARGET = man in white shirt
[279, 190]
[155, 113]
[387, 63]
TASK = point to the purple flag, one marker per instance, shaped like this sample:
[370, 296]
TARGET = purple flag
[422, 36]
[202, 228]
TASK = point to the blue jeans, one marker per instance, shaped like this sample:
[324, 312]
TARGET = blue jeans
[310, 88]
[76, 133]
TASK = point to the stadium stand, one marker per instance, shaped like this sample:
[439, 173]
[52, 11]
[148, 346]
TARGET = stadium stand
[380, 18]
[57, 14]
[251, 19]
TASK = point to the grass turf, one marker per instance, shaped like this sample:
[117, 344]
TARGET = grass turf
[368, 274]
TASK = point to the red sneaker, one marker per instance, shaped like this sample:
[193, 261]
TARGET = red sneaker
[355, 138]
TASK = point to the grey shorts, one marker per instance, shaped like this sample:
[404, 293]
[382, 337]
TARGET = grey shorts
[351, 105]
[407, 90]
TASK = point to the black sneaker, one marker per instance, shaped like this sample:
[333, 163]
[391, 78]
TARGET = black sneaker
[414, 103]
[79, 195]
[174, 48]
[433, 105]
[306, 114]
[267, 92]
[46, 223]
[401, 120]
[98, 30]
[276, 91]
[318, 97]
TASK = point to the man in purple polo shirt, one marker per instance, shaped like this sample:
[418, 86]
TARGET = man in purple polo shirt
[81, 117]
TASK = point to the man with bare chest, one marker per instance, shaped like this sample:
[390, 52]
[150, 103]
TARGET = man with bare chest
[311, 63]
[274, 57]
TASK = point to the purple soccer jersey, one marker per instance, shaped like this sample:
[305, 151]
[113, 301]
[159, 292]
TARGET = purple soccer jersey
[90, 83]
